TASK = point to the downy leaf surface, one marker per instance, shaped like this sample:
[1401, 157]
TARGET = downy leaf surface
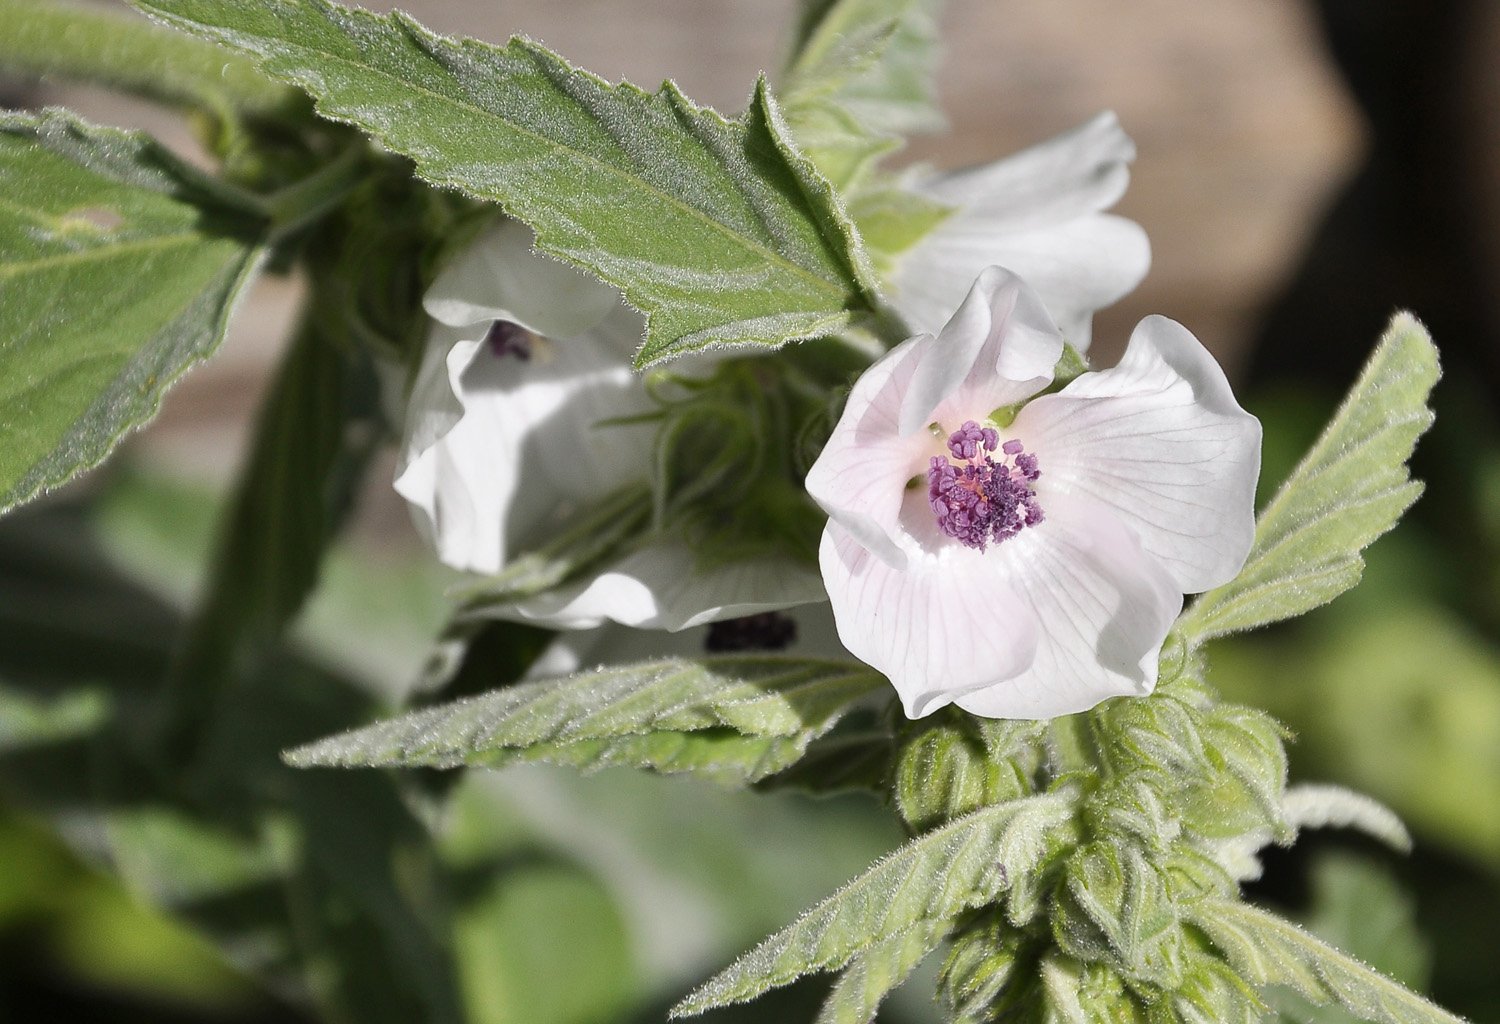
[732, 718]
[1271, 951]
[1351, 487]
[119, 266]
[719, 230]
[931, 879]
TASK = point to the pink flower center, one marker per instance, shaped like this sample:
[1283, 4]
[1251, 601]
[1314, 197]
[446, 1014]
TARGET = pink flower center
[507, 339]
[979, 499]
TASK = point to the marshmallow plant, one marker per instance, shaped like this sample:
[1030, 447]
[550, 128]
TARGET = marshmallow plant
[759, 462]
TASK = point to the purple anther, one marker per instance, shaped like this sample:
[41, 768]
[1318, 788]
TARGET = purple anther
[984, 499]
[509, 339]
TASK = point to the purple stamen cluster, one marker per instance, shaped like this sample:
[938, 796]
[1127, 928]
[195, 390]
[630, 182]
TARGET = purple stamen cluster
[509, 339]
[768, 631]
[980, 498]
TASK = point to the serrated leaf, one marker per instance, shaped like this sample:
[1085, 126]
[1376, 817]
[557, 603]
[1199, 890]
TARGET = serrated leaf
[872, 975]
[740, 717]
[119, 266]
[1351, 487]
[1271, 951]
[934, 878]
[716, 229]
[861, 76]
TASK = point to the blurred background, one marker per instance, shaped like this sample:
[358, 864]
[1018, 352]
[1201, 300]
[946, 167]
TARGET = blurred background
[1305, 168]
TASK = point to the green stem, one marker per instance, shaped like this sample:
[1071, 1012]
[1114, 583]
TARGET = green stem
[48, 38]
[306, 201]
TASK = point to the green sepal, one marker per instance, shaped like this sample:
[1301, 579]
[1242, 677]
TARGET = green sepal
[946, 768]
[1115, 908]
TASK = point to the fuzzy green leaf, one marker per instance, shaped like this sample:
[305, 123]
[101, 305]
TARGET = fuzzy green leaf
[930, 879]
[718, 230]
[1348, 490]
[872, 975]
[733, 718]
[1325, 806]
[861, 77]
[1271, 951]
[119, 266]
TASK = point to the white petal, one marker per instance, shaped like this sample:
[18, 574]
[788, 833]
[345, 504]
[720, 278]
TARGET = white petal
[1036, 213]
[661, 587]
[1103, 608]
[500, 277]
[998, 349]
[1076, 266]
[945, 626]
[860, 477]
[1079, 172]
[1162, 442]
[527, 444]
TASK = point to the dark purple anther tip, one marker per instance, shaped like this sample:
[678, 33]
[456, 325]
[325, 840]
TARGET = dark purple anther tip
[768, 631]
[509, 339]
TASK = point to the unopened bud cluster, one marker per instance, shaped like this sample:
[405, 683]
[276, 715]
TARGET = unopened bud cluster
[1172, 795]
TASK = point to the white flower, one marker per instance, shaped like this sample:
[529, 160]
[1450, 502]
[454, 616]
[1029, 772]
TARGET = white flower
[1030, 569]
[1038, 214]
[506, 433]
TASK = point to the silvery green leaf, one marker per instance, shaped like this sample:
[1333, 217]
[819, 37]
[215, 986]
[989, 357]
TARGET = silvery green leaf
[872, 975]
[861, 77]
[933, 878]
[119, 265]
[1326, 806]
[735, 718]
[1062, 977]
[1351, 487]
[1268, 950]
[62, 40]
[718, 230]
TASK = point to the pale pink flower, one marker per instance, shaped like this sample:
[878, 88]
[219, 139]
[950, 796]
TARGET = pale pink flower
[1032, 567]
